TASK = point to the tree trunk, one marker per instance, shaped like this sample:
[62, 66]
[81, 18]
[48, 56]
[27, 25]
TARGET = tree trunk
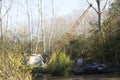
[99, 15]
[1, 19]
[43, 32]
[29, 25]
[51, 32]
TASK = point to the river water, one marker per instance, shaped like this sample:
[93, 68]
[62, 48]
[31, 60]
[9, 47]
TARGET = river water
[82, 77]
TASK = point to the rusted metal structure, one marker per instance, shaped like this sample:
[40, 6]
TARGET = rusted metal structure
[71, 31]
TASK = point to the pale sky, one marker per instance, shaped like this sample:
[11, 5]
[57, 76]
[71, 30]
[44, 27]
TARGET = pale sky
[17, 14]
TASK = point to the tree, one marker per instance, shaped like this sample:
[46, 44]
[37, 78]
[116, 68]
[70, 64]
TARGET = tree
[99, 11]
[1, 19]
[105, 47]
[29, 25]
[52, 30]
[42, 29]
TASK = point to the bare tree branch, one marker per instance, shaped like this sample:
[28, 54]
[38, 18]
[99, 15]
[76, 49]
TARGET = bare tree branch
[92, 6]
[99, 12]
[8, 9]
[104, 6]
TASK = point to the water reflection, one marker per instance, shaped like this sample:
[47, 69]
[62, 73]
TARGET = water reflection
[87, 77]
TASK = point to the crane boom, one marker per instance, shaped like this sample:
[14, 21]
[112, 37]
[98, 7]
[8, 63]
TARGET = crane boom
[71, 31]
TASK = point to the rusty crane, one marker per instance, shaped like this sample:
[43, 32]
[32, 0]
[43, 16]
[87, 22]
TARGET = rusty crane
[70, 32]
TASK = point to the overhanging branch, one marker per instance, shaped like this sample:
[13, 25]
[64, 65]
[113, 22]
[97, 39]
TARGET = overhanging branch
[92, 6]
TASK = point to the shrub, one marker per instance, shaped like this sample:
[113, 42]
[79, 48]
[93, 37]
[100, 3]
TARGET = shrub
[12, 67]
[60, 64]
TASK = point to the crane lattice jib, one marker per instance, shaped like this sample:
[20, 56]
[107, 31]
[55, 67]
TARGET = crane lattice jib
[70, 32]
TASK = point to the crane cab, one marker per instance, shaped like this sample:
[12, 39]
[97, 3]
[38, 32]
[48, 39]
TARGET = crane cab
[34, 59]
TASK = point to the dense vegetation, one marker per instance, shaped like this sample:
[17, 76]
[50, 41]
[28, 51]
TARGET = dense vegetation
[101, 46]
[11, 61]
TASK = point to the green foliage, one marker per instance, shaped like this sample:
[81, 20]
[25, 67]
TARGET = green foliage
[105, 44]
[77, 47]
[11, 59]
[60, 64]
[12, 67]
[115, 8]
[101, 46]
